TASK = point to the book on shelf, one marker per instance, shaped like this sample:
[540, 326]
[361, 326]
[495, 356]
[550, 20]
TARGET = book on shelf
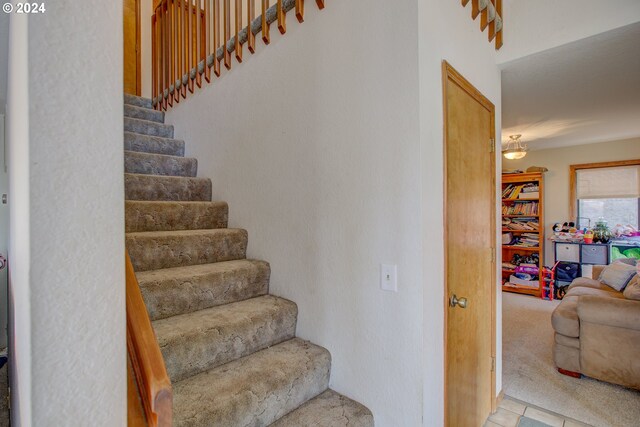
[520, 208]
[529, 196]
[519, 224]
[522, 191]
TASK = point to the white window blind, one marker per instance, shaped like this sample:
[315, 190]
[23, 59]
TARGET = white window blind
[608, 183]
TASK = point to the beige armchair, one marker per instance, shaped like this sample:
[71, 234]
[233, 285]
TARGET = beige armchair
[597, 333]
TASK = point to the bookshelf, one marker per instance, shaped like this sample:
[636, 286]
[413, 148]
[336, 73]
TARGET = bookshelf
[523, 226]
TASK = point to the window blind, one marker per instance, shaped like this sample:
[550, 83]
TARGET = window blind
[608, 183]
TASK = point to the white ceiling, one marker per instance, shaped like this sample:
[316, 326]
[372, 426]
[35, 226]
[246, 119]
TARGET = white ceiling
[583, 92]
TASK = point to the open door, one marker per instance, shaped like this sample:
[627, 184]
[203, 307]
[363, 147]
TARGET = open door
[470, 283]
[131, 65]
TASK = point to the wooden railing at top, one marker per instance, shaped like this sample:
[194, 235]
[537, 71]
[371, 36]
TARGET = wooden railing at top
[187, 43]
[150, 374]
[490, 12]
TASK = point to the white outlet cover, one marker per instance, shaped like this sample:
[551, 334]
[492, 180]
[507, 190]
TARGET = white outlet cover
[389, 277]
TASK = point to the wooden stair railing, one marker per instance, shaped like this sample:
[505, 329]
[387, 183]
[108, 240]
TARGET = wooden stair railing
[146, 370]
[187, 43]
[490, 12]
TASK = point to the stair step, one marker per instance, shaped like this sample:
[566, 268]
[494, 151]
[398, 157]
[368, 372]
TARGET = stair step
[180, 290]
[196, 342]
[153, 144]
[165, 216]
[146, 127]
[255, 390]
[167, 188]
[143, 113]
[329, 409]
[159, 164]
[137, 101]
[153, 250]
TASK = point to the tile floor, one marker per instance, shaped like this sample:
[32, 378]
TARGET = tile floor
[512, 411]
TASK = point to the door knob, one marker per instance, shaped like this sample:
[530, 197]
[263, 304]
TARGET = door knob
[461, 302]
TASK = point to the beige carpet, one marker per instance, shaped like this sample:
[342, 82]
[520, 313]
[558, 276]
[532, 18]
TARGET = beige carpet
[529, 373]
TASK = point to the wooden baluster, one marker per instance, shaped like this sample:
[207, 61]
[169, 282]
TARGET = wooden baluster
[178, 11]
[185, 46]
[320, 4]
[154, 65]
[161, 79]
[216, 36]
[266, 38]
[300, 10]
[464, 3]
[227, 33]
[207, 39]
[238, 26]
[499, 33]
[170, 53]
[282, 17]
[176, 49]
[167, 55]
[251, 14]
[475, 9]
[198, 40]
[192, 52]
[492, 25]
[484, 17]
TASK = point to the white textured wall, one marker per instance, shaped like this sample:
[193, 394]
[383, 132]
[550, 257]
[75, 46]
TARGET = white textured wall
[314, 142]
[534, 26]
[447, 32]
[17, 124]
[556, 181]
[4, 58]
[67, 223]
[4, 235]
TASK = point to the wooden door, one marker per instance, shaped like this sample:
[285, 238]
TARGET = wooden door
[470, 198]
[131, 65]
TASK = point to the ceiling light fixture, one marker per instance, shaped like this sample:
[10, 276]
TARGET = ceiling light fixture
[515, 149]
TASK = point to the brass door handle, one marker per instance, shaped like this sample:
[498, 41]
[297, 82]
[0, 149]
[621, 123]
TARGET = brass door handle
[461, 302]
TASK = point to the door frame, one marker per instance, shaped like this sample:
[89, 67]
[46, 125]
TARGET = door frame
[450, 73]
[138, 48]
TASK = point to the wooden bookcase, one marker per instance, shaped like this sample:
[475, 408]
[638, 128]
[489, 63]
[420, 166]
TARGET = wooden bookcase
[508, 251]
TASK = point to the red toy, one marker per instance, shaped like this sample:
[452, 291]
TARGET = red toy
[548, 279]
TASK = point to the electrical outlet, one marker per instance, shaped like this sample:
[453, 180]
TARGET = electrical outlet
[389, 277]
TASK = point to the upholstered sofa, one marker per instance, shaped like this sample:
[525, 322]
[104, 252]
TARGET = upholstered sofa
[597, 331]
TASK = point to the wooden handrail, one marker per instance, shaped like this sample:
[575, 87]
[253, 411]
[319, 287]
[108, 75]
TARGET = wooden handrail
[185, 43]
[147, 363]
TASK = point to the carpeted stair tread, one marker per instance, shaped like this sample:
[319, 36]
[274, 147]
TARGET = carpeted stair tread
[153, 250]
[149, 215]
[167, 188]
[159, 164]
[143, 113]
[255, 390]
[195, 342]
[329, 409]
[173, 291]
[138, 101]
[146, 127]
[153, 144]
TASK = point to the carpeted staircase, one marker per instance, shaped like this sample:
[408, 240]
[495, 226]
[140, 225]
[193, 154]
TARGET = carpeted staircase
[229, 347]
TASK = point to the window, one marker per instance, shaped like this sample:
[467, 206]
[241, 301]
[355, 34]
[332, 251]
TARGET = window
[606, 190]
